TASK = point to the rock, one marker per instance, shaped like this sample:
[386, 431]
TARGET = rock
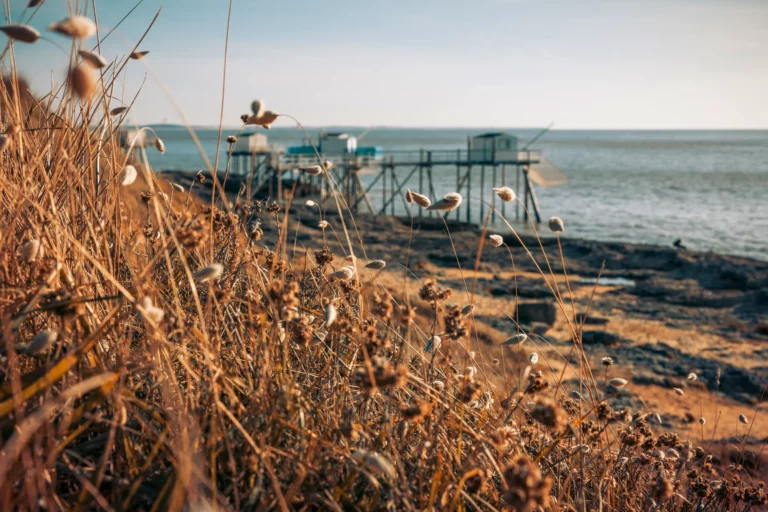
[601, 338]
[538, 311]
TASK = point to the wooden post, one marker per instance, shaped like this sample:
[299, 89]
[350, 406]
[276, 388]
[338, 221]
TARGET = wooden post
[517, 191]
[482, 191]
[421, 187]
[493, 196]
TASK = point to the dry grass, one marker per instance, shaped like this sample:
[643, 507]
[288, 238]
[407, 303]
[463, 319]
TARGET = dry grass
[195, 368]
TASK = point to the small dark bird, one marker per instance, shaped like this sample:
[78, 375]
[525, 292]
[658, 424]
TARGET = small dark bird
[678, 243]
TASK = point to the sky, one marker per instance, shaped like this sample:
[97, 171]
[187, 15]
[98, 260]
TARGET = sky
[582, 64]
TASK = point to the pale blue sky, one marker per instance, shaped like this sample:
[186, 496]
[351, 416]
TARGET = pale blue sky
[579, 63]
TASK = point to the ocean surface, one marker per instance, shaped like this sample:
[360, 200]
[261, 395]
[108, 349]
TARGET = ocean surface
[708, 188]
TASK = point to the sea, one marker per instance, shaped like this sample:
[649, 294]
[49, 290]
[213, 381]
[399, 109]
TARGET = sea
[708, 189]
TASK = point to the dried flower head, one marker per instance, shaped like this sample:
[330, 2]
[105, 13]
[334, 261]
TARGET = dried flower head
[21, 33]
[344, 273]
[151, 312]
[496, 240]
[310, 203]
[257, 108]
[702, 420]
[434, 343]
[517, 339]
[265, 119]
[330, 315]
[505, 193]
[692, 377]
[743, 419]
[200, 177]
[209, 273]
[117, 111]
[231, 139]
[127, 176]
[82, 81]
[31, 250]
[607, 361]
[533, 358]
[376, 264]
[160, 145]
[328, 165]
[556, 225]
[419, 199]
[438, 386]
[617, 382]
[448, 203]
[138, 55]
[468, 310]
[322, 224]
[526, 488]
[93, 58]
[547, 412]
[41, 342]
[678, 391]
[76, 27]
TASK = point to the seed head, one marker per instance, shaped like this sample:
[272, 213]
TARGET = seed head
[617, 382]
[160, 145]
[470, 371]
[41, 342]
[376, 264]
[607, 361]
[344, 273]
[692, 376]
[556, 225]
[322, 224]
[496, 240]
[312, 170]
[83, 81]
[177, 187]
[419, 199]
[138, 55]
[209, 273]
[151, 312]
[533, 358]
[21, 33]
[76, 27]
[438, 385]
[92, 58]
[117, 111]
[31, 250]
[257, 108]
[657, 417]
[506, 194]
[231, 139]
[678, 391]
[330, 315]
[375, 463]
[434, 343]
[702, 420]
[128, 175]
[310, 203]
[585, 448]
[448, 203]
[328, 165]
[468, 310]
[517, 339]
[743, 419]
[265, 119]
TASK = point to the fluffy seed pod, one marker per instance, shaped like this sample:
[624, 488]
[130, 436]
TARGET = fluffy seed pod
[419, 199]
[533, 358]
[506, 194]
[743, 419]
[160, 145]
[322, 224]
[258, 107]
[517, 339]
[468, 310]
[434, 343]
[127, 176]
[692, 376]
[312, 170]
[328, 165]
[344, 273]
[607, 361]
[617, 382]
[209, 273]
[31, 250]
[470, 371]
[556, 225]
[151, 312]
[496, 240]
[678, 391]
[438, 385]
[231, 139]
[702, 421]
[376, 264]
[177, 187]
[21, 33]
[448, 203]
[117, 111]
[138, 55]
[330, 315]
[41, 342]
[375, 463]
[265, 119]
[92, 58]
[76, 27]
[585, 448]
[310, 203]
[82, 81]
[672, 453]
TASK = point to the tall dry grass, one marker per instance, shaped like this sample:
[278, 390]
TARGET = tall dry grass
[186, 362]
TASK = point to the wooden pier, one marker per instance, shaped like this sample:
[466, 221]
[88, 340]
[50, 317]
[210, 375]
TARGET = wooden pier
[377, 186]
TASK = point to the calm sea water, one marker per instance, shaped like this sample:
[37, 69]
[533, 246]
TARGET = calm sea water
[709, 188]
